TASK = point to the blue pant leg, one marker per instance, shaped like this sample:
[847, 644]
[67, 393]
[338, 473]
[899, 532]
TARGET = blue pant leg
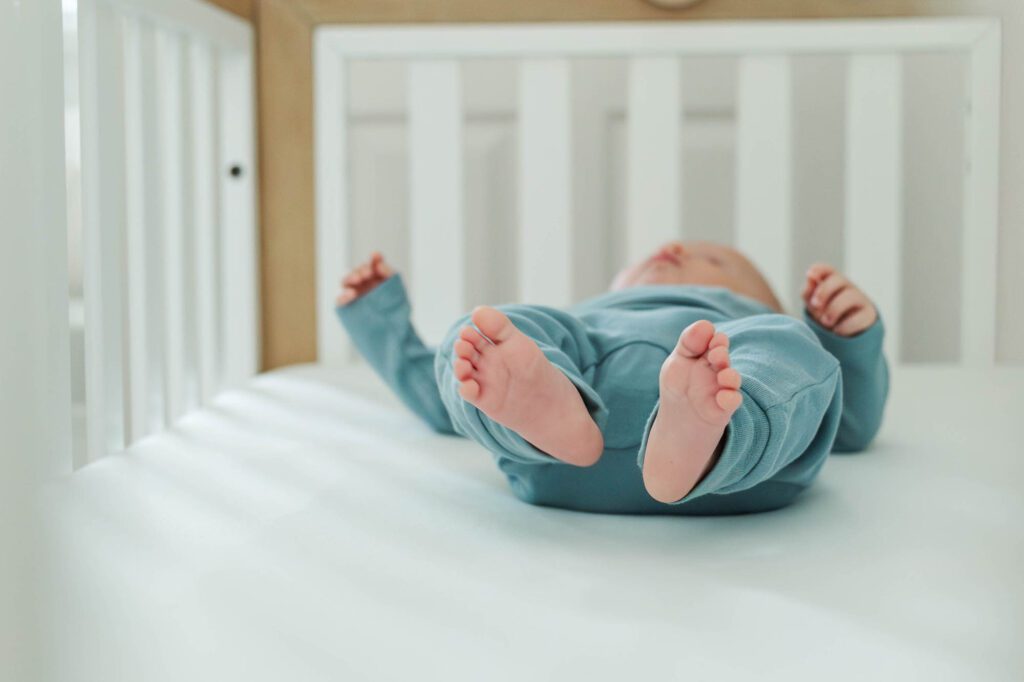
[792, 403]
[564, 341]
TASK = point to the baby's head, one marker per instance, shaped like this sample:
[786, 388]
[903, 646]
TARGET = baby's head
[702, 264]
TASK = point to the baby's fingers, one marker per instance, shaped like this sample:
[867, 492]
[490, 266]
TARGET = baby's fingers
[381, 268]
[843, 303]
[826, 290]
[809, 286]
[347, 295]
[352, 279]
[819, 271]
[856, 322]
[360, 274]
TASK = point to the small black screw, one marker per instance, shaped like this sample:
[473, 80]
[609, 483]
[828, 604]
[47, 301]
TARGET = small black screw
[236, 170]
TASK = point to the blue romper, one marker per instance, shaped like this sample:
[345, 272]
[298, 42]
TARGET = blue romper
[806, 392]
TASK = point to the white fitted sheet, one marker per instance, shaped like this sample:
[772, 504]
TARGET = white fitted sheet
[308, 528]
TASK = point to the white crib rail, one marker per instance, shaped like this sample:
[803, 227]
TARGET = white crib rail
[168, 229]
[764, 148]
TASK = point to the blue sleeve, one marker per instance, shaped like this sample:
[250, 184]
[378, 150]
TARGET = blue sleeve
[865, 382]
[380, 326]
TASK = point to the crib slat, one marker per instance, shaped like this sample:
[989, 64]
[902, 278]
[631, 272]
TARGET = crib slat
[238, 250]
[203, 124]
[874, 184]
[332, 247]
[435, 165]
[545, 192]
[136, 220]
[101, 61]
[654, 156]
[764, 169]
[978, 286]
[170, 138]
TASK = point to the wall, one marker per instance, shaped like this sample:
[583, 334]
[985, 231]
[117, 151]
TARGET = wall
[287, 155]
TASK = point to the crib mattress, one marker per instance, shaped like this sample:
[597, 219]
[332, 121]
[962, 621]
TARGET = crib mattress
[306, 527]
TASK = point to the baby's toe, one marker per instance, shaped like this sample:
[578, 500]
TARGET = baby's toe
[720, 339]
[494, 324]
[473, 337]
[729, 400]
[463, 369]
[464, 349]
[469, 390]
[729, 378]
[719, 357]
[694, 340]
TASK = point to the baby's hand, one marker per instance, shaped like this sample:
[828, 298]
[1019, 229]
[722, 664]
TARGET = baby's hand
[364, 278]
[835, 303]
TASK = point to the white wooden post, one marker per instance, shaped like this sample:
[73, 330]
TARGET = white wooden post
[332, 243]
[435, 181]
[545, 188]
[978, 284]
[764, 171]
[138, 214]
[872, 236]
[170, 158]
[653, 173]
[239, 284]
[101, 62]
[35, 398]
[203, 125]
[35, 402]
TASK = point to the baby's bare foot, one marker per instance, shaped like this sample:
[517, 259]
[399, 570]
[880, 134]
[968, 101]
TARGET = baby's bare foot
[699, 393]
[510, 380]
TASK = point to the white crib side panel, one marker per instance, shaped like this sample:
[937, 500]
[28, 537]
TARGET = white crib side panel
[764, 169]
[170, 242]
[239, 253]
[653, 173]
[436, 195]
[981, 203]
[872, 235]
[102, 66]
[647, 166]
[545, 190]
[170, 158]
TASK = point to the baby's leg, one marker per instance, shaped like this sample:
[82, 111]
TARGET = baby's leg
[504, 374]
[699, 393]
[709, 436]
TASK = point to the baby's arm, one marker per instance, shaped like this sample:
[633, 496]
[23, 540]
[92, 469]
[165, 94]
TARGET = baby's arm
[848, 326]
[374, 309]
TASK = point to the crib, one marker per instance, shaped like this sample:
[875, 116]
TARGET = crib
[299, 524]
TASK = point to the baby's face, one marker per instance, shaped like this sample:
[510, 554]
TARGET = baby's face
[699, 263]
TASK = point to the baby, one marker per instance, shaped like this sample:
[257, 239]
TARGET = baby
[607, 407]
